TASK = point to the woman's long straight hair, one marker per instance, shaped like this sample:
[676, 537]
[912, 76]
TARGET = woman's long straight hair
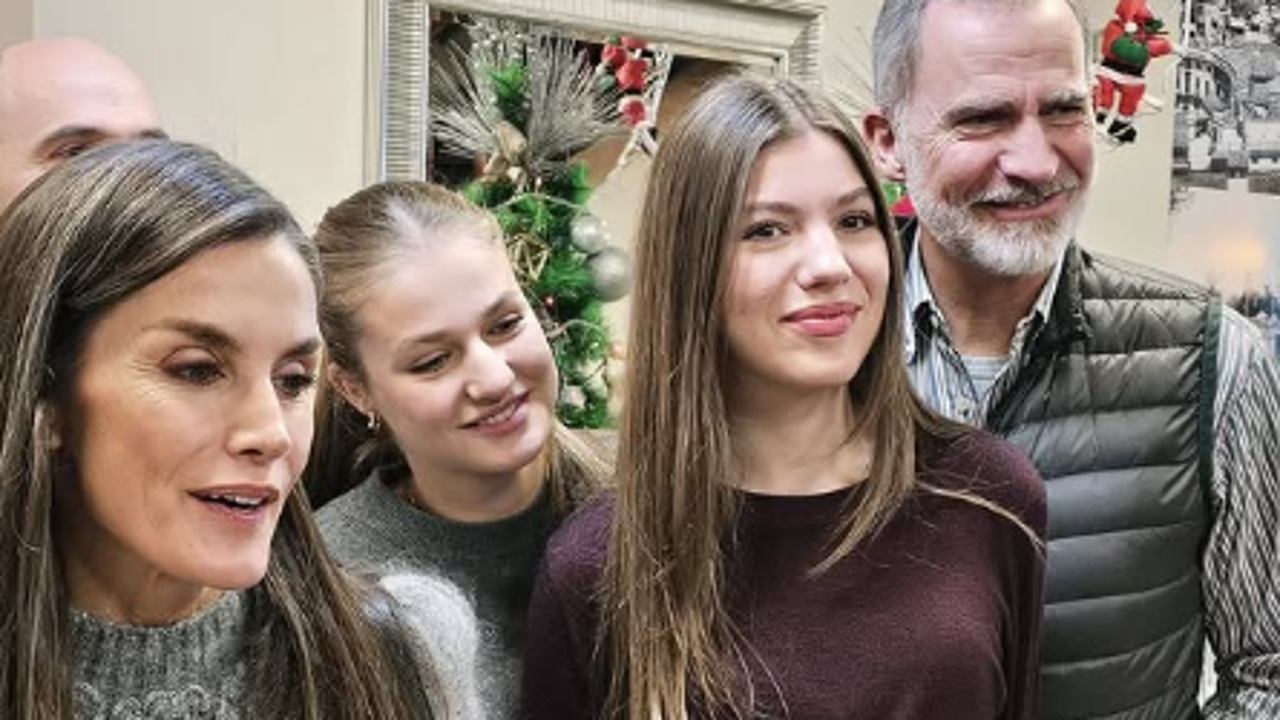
[81, 240]
[358, 238]
[666, 638]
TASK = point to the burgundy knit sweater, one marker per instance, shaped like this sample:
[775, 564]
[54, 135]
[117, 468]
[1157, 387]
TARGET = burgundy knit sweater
[935, 618]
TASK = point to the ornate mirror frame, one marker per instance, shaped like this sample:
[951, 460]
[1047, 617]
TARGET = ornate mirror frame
[780, 34]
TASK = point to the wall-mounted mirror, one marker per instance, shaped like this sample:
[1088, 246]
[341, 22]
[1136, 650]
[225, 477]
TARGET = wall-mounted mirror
[782, 35]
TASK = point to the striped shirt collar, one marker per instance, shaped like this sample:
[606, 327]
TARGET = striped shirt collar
[937, 370]
[924, 315]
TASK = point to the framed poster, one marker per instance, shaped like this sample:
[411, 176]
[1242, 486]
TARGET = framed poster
[1225, 201]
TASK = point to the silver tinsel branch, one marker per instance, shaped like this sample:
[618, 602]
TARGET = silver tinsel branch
[566, 110]
[464, 114]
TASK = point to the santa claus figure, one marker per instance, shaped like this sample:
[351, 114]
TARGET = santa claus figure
[1131, 39]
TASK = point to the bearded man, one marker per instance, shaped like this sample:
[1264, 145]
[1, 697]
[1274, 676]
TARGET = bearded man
[1152, 412]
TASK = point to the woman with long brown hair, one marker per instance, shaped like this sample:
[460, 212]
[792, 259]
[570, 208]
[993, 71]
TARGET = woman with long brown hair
[160, 344]
[440, 430]
[793, 534]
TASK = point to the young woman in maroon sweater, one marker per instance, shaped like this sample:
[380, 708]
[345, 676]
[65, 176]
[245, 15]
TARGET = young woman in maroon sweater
[793, 534]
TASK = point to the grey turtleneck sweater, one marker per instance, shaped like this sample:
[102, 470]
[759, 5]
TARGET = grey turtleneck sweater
[191, 669]
[370, 529]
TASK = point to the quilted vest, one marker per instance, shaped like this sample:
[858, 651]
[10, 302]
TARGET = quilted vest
[1115, 407]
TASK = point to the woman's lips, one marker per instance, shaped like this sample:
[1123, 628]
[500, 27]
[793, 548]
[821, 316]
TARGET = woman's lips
[242, 503]
[825, 320]
[503, 419]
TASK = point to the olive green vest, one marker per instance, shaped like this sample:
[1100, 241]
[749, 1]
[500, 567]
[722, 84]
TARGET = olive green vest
[1115, 408]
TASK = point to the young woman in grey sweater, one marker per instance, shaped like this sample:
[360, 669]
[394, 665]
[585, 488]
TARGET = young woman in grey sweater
[441, 430]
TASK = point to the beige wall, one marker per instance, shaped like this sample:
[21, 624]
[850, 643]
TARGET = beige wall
[15, 21]
[278, 86]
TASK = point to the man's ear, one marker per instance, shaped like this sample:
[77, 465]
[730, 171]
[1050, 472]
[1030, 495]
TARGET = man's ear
[878, 132]
[349, 387]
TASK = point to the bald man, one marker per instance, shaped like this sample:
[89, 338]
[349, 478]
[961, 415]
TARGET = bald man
[60, 97]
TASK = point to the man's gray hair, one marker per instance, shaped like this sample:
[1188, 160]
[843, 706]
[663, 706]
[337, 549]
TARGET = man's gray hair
[895, 46]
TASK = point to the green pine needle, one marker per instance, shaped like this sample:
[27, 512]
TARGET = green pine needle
[509, 85]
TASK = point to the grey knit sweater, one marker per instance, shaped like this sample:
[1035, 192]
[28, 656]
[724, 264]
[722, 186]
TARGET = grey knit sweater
[196, 668]
[370, 529]
[192, 669]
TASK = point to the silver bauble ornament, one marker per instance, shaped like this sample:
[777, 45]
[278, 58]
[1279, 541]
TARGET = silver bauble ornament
[573, 396]
[587, 233]
[610, 273]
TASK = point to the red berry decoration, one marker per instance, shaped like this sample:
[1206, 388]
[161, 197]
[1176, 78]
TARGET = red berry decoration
[615, 56]
[631, 75]
[631, 42]
[632, 109]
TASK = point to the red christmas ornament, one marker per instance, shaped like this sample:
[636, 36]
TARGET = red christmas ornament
[632, 109]
[903, 207]
[615, 56]
[631, 75]
[1130, 40]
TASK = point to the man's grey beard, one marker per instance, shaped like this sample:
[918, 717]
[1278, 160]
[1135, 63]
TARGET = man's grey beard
[1006, 249]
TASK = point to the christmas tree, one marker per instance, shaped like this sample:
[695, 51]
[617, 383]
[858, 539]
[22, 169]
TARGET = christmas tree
[525, 101]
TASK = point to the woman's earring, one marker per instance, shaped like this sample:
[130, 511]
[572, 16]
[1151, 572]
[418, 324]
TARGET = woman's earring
[375, 423]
